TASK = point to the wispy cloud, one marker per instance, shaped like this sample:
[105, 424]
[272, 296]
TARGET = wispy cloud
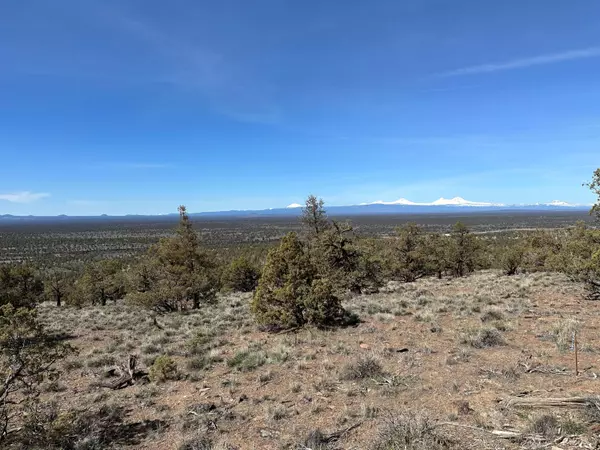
[23, 197]
[591, 52]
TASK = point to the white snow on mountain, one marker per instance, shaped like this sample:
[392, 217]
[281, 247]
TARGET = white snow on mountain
[294, 205]
[559, 203]
[400, 201]
[456, 201]
[459, 201]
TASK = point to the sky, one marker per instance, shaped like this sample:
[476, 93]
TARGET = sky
[138, 106]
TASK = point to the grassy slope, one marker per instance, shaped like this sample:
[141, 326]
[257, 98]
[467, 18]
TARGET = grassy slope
[271, 391]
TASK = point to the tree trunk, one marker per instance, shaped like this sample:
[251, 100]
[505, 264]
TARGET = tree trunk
[58, 300]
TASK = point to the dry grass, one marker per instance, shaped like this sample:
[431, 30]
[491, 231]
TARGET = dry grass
[421, 351]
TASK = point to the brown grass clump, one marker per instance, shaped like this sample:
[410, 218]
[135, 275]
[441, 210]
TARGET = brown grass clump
[412, 432]
[362, 368]
[483, 338]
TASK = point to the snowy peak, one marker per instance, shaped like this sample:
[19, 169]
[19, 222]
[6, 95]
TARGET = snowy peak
[400, 201]
[456, 201]
[443, 203]
[459, 201]
[560, 203]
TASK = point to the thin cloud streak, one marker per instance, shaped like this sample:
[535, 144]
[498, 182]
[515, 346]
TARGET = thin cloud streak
[23, 196]
[572, 55]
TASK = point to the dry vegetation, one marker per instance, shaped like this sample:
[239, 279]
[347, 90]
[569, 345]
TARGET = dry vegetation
[430, 366]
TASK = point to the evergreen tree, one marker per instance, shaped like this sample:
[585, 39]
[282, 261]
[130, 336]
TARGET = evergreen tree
[240, 276]
[290, 291]
[58, 284]
[27, 356]
[594, 186]
[101, 281]
[176, 274]
[19, 285]
[409, 257]
[437, 254]
[463, 252]
[314, 216]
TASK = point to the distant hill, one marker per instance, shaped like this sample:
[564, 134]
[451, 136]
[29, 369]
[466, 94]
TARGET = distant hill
[456, 205]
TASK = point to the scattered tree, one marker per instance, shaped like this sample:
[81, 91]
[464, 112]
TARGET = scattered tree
[27, 358]
[463, 252]
[408, 254]
[58, 284]
[290, 292]
[19, 285]
[314, 216]
[177, 273]
[101, 281]
[594, 186]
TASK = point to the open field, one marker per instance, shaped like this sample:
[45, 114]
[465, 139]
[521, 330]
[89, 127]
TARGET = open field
[86, 239]
[428, 360]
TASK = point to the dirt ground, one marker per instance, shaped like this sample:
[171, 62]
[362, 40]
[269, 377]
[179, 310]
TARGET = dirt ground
[436, 357]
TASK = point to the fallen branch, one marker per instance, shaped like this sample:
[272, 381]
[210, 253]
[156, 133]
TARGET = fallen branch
[128, 374]
[498, 433]
[568, 402]
[338, 434]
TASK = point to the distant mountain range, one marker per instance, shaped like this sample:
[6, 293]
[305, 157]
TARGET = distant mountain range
[380, 207]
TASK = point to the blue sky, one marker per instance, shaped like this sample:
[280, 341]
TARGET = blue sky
[137, 106]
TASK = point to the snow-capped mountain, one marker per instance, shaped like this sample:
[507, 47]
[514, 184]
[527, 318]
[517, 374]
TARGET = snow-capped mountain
[459, 201]
[294, 205]
[400, 201]
[456, 201]
[561, 203]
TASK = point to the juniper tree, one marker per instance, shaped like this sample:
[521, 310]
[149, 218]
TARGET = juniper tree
[240, 275]
[100, 282]
[175, 274]
[408, 253]
[291, 291]
[58, 284]
[19, 285]
[463, 252]
[594, 186]
[27, 356]
[437, 254]
[314, 216]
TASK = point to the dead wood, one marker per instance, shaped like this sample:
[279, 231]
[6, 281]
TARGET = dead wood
[566, 402]
[128, 374]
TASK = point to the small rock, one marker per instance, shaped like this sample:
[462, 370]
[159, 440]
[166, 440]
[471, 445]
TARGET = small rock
[365, 346]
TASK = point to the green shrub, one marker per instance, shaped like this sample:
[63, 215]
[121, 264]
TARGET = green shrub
[163, 369]
[240, 276]
[512, 258]
[290, 292]
[247, 360]
[28, 354]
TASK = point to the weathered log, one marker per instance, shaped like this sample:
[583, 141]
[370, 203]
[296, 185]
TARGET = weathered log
[128, 374]
[566, 402]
